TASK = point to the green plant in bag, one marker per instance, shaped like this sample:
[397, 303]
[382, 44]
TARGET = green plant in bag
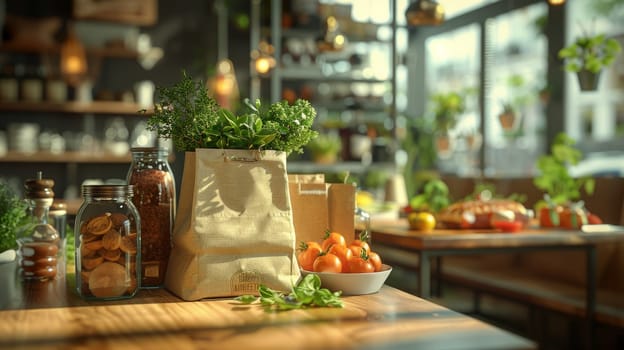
[192, 119]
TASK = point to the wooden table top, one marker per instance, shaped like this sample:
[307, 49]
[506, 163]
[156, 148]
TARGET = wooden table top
[55, 317]
[397, 232]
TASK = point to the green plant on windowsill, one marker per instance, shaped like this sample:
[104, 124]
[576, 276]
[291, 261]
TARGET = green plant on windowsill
[324, 148]
[554, 177]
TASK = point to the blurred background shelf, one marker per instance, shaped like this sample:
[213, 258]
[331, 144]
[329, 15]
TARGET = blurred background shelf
[95, 107]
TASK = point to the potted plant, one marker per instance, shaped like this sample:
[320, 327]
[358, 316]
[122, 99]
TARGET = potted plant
[511, 112]
[507, 117]
[587, 56]
[12, 216]
[12, 213]
[562, 191]
[325, 148]
[446, 108]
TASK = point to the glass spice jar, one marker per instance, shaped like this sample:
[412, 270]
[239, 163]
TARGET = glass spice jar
[154, 197]
[40, 250]
[108, 243]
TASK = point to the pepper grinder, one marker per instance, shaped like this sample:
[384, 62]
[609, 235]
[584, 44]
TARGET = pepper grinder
[39, 242]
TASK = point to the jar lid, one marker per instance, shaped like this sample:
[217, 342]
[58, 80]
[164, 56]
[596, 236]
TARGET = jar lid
[108, 191]
[149, 150]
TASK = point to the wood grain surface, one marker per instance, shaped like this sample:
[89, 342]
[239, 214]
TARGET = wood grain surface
[156, 319]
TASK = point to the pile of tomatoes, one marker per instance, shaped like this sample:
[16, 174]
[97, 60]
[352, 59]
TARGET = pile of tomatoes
[566, 216]
[333, 254]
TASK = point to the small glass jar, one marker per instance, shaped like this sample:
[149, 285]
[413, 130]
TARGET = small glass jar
[40, 250]
[362, 226]
[154, 197]
[108, 243]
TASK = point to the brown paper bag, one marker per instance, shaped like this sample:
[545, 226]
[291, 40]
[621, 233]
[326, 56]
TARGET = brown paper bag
[233, 230]
[319, 206]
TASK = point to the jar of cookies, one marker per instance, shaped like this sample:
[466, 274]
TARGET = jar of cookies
[154, 197]
[108, 243]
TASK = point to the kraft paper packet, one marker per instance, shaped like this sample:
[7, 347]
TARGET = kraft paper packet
[233, 230]
[319, 206]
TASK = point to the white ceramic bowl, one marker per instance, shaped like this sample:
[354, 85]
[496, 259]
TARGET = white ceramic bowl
[353, 283]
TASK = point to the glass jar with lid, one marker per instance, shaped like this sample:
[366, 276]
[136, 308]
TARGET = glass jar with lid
[154, 197]
[108, 243]
[40, 248]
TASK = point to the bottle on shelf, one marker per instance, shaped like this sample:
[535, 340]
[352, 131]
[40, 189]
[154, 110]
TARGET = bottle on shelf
[39, 243]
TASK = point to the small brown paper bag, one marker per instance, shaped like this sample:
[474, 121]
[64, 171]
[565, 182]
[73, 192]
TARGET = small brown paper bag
[233, 230]
[319, 206]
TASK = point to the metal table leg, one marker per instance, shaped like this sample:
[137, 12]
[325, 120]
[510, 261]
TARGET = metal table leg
[424, 275]
[590, 294]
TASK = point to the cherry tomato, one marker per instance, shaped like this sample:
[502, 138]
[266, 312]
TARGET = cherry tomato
[308, 252]
[343, 253]
[375, 259]
[362, 241]
[332, 238]
[593, 219]
[549, 216]
[572, 218]
[360, 263]
[327, 262]
[508, 226]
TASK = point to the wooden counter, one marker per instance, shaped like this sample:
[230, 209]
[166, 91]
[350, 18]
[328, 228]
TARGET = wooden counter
[53, 316]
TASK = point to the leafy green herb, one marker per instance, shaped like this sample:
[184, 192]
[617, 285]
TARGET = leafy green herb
[434, 197]
[307, 293]
[185, 114]
[554, 177]
[192, 119]
[12, 214]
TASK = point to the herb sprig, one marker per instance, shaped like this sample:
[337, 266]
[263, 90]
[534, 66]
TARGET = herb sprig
[192, 119]
[307, 293]
[554, 177]
[12, 215]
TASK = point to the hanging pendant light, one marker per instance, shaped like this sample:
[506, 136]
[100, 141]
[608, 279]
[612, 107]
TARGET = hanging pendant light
[424, 12]
[263, 57]
[223, 86]
[73, 58]
[556, 2]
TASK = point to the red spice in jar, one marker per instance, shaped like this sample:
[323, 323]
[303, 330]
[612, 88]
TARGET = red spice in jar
[154, 197]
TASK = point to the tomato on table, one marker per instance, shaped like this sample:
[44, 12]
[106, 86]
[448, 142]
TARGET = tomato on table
[332, 238]
[508, 226]
[343, 253]
[361, 263]
[375, 259]
[362, 242]
[549, 216]
[572, 218]
[327, 262]
[308, 252]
